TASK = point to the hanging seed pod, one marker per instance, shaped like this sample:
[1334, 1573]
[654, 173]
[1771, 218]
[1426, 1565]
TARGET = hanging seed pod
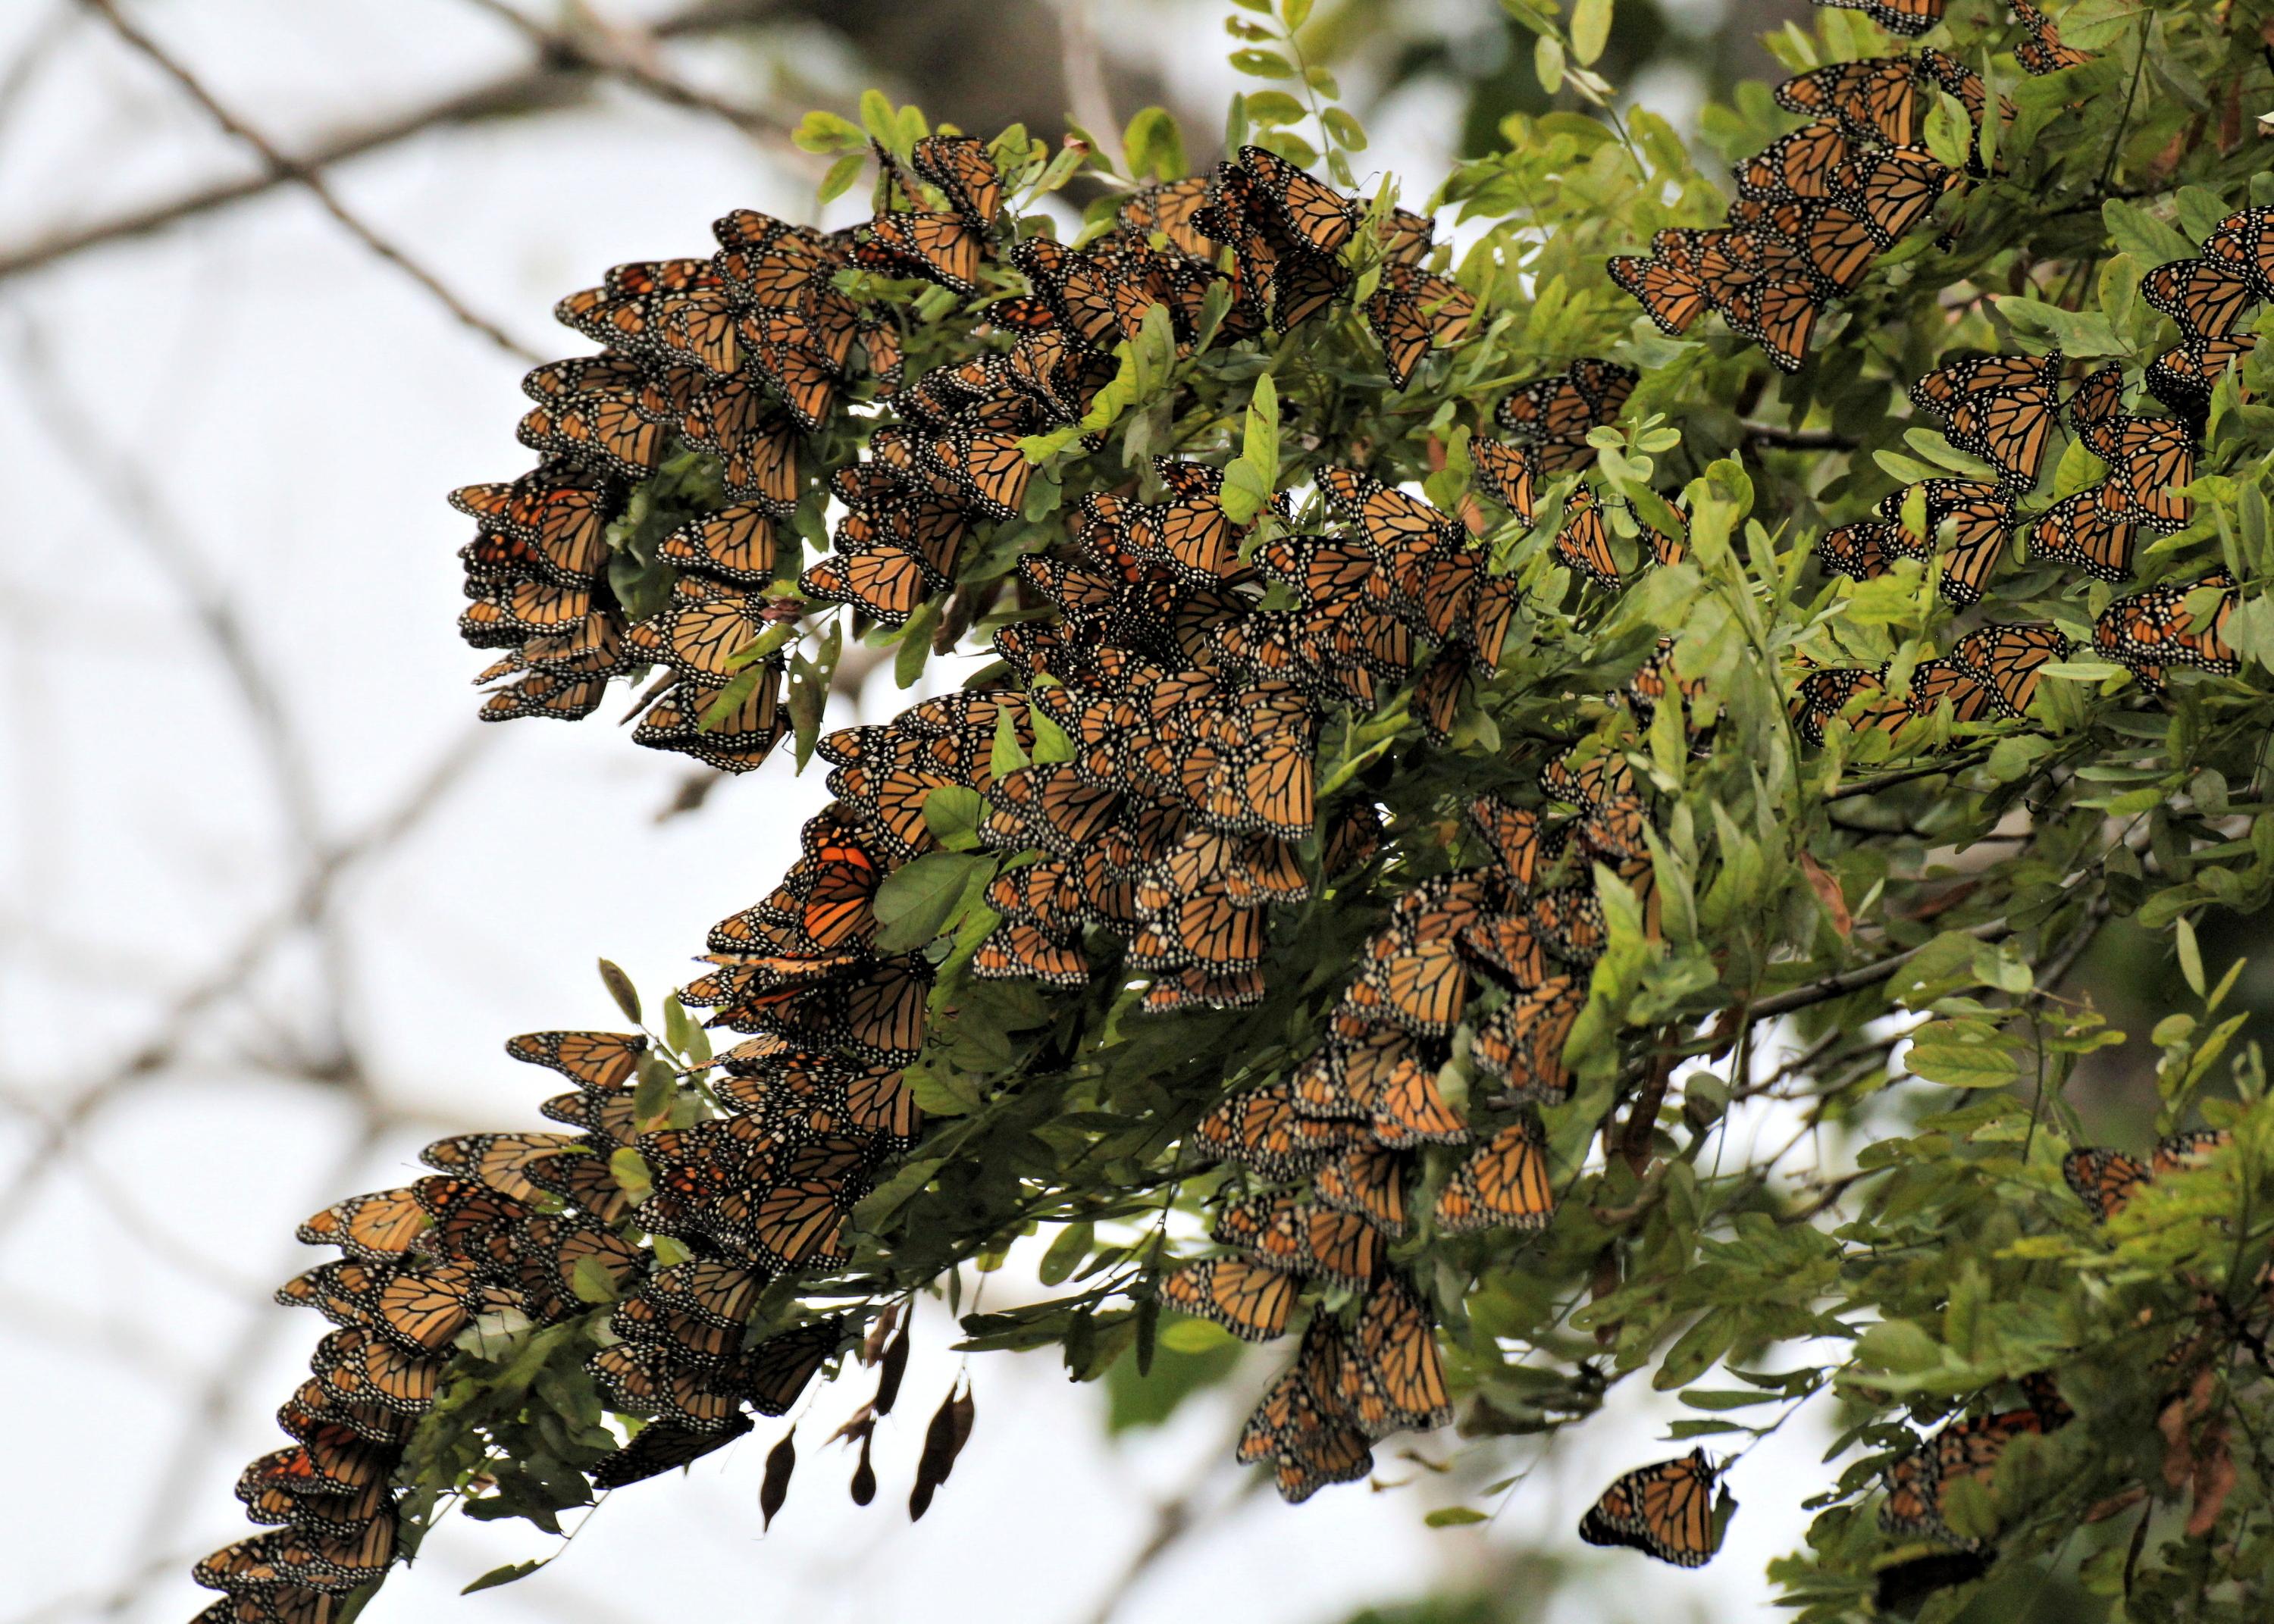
[891, 1367]
[781, 1461]
[941, 1442]
[864, 1476]
[872, 1348]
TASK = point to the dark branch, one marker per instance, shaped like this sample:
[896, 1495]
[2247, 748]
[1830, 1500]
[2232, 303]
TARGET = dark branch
[301, 175]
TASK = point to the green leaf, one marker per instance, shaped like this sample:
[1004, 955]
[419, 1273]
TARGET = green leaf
[683, 1031]
[1548, 63]
[1591, 30]
[840, 179]
[1245, 492]
[1343, 129]
[952, 812]
[914, 647]
[508, 1574]
[590, 1281]
[822, 132]
[1261, 64]
[1962, 1065]
[620, 988]
[913, 903]
[1007, 755]
[1453, 1516]
[2191, 965]
[1268, 110]
[2140, 234]
[1066, 1253]
[1152, 145]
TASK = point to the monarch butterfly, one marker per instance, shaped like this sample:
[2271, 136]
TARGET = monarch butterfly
[1665, 1509]
[1504, 1182]
[1964, 1449]
[1299, 1425]
[597, 1061]
[359, 1368]
[1290, 1233]
[1810, 162]
[1321, 218]
[290, 1557]
[2005, 660]
[1909, 17]
[1411, 310]
[1168, 208]
[1393, 1377]
[604, 430]
[2207, 298]
[2153, 629]
[2184, 378]
[1585, 544]
[1670, 291]
[1997, 407]
[659, 1449]
[1874, 99]
[2077, 531]
[756, 440]
[372, 1228]
[2043, 51]
[2104, 1180]
[2093, 406]
[1247, 1299]
[1977, 513]
[2242, 241]
[958, 166]
[1262, 1131]
[987, 468]
[274, 1489]
[1522, 1042]
[643, 1379]
[2192, 1148]
[1019, 951]
[1366, 1180]
[544, 693]
[941, 248]
[769, 262]
[2148, 459]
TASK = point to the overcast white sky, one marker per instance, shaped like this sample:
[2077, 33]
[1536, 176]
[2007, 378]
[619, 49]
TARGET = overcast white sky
[251, 403]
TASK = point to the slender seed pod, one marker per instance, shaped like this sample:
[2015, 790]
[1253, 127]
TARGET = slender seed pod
[781, 1461]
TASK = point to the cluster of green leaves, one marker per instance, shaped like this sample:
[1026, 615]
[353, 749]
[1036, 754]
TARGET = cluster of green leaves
[1863, 948]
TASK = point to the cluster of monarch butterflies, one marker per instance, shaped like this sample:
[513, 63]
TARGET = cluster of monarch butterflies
[1919, 1485]
[734, 358]
[1329, 1152]
[2005, 410]
[526, 1225]
[1546, 423]
[954, 453]
[1817, 206]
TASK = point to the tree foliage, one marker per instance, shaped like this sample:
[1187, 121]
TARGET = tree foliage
[1701, 794]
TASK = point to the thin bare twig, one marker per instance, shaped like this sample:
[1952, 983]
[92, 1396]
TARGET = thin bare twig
[628, 52]
[550, 83]
[308, 179]
[233, 971]
[1085, 73]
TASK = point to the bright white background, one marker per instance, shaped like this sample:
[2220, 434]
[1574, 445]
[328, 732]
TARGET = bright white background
[249, 417]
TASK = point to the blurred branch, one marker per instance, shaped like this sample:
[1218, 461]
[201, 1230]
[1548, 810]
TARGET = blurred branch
[307, 178]
[628, 51]
[552, 82]
[235, 969]
[1085, 73]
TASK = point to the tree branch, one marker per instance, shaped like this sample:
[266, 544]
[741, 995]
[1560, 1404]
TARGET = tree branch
[308, 179]
[1795, 440]
[551, 83]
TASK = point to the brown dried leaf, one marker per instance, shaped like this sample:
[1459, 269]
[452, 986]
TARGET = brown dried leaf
[1826, 884]
[2214, 1479]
